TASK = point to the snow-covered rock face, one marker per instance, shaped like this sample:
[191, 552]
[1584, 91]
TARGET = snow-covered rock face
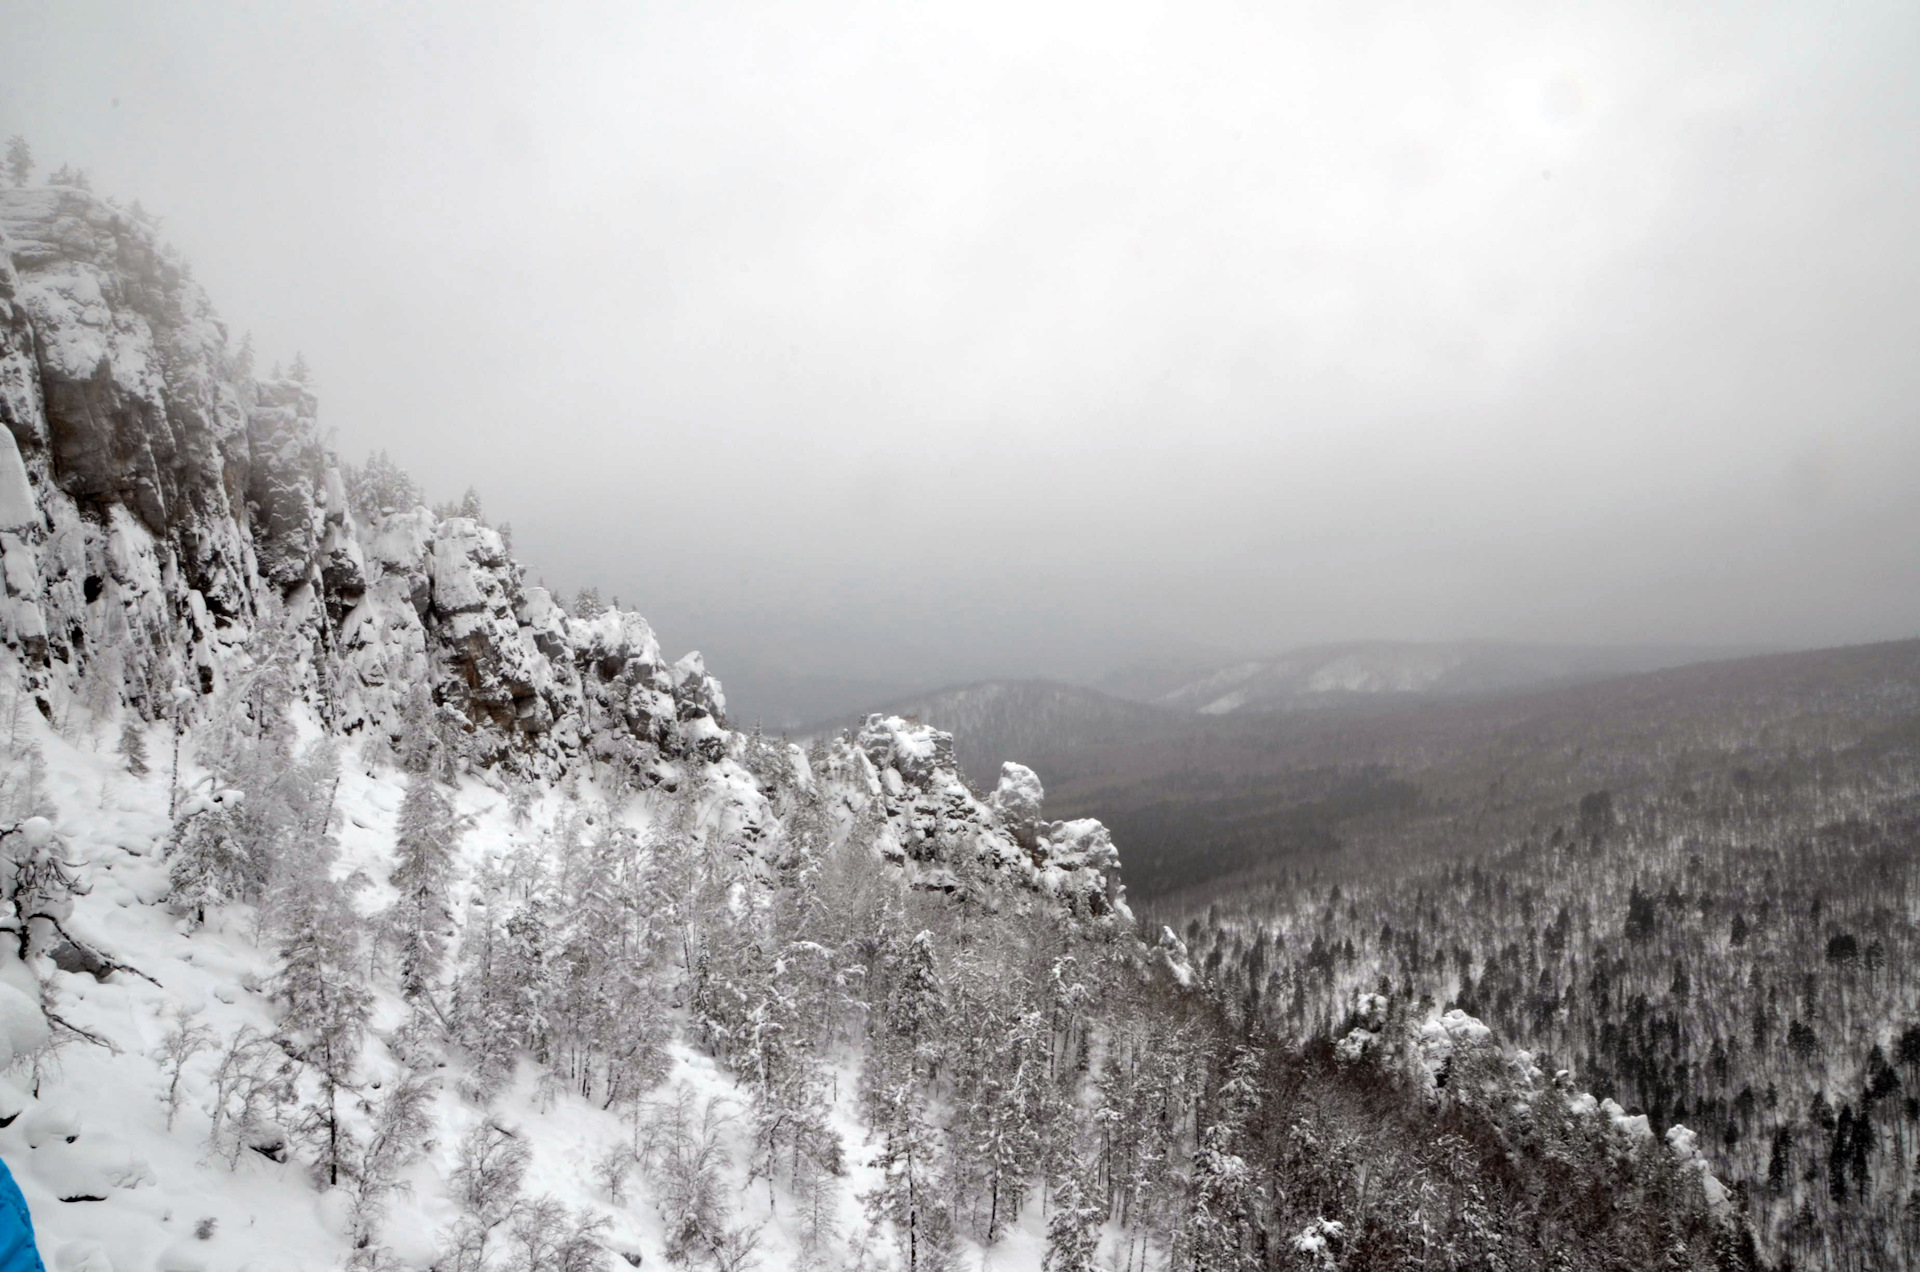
[936, 822]
[1018, 799]
[158, 502]
[169, 522]
[134, 443]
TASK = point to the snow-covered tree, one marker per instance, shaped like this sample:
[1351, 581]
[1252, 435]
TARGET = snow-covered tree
[327, 1007]
[486, 1184]
[401, 1123]
[19, 160]
[230, 843]
[683, 1152]
[132, 747]
[909, 1195]
[1223, 1198]
[1073, 1226]
[379, 487]
[546, 1236]
[36, 883]
[608, 1010]
[24, 786]
[424, 842]
[914, 1008]
[254, 1081]
[185, 1038]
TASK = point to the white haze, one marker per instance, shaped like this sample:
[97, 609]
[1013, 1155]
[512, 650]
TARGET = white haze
[906, 343]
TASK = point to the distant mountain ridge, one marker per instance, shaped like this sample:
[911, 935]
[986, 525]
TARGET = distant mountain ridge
[1043, 722]
[1332, 675]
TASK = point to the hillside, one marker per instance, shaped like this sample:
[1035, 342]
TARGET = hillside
[370, 909]
[1353, 791]
[1696, 889]
[1360, 673]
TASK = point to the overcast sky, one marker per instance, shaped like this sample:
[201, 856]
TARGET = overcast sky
[924, 341]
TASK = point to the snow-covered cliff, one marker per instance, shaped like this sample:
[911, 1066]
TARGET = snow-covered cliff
[163, 509]
[171, 523]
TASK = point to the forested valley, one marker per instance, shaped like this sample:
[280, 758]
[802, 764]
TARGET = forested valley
[1692, 893]
[368, 906]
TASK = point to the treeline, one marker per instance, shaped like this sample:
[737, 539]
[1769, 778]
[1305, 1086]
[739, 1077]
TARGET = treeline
[1231, 802]
[1008, 1057]
[1732, 949]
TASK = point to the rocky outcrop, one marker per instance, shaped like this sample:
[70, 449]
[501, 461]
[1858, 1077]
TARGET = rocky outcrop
[134, 442]
[169, 522]
[287, 493]
[165, 505]
[934, 823]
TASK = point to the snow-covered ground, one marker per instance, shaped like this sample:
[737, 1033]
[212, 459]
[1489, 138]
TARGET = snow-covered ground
[91, 1117]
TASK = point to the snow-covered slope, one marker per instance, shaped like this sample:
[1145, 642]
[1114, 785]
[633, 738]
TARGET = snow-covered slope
[183, 561]
[364, 907]
[115, 1182]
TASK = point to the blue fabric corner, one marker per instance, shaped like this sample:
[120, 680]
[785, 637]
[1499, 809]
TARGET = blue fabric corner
[17, 1250]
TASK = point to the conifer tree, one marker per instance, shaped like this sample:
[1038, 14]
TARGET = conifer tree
[327, 1007]
[916, 1001]
[907, 1196]
[1073, 1227]
[424, 843]
[1223, 1198]
[19, 160]
[132, 748]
